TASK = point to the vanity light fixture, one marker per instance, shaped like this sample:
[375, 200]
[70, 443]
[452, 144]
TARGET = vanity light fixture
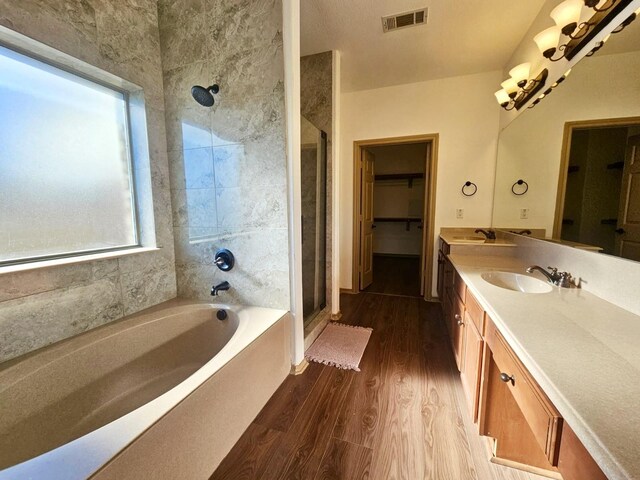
[561, 79]
[520, 74]
[567, 16]
[627, 22]
[594, 4]
[518, 89]
[567, 19]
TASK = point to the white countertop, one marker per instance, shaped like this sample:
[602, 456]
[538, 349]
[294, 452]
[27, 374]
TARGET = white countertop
[583, 351]
[450, 238]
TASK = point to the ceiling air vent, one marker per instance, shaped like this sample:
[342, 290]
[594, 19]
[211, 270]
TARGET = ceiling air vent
[402, 20]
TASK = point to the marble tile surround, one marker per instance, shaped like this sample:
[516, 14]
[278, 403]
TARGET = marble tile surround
[316, 105]
[227, 163]
[39, 307]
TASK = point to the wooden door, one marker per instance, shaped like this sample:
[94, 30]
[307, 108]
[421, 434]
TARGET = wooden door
[366, 219]
[628, 231]
[425, 222]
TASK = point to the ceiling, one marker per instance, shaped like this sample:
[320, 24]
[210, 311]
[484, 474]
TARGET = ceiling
[461, 37]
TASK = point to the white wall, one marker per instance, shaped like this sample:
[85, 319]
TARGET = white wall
[462, 110]
[601, 87]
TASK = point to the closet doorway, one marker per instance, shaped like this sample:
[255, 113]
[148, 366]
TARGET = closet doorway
[394, 200]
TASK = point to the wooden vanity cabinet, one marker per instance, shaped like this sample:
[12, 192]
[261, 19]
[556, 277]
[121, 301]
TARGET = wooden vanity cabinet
[456, 329]
[574, 462]
[472, 365]
[466, 327]
[443, 251]
[515, 411]
[502, 396]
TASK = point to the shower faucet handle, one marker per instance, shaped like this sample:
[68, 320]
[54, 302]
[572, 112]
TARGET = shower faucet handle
[224, 260]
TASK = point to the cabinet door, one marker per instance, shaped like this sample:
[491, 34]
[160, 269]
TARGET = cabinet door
[502, 420]
[473, 346]
[457, 331]
[441, 276]
[448, 278]
[574, 462]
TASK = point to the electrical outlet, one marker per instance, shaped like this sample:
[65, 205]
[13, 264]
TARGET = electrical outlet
[459, 212]
[524, 213]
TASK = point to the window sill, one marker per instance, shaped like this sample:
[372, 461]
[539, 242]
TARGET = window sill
[74, 260]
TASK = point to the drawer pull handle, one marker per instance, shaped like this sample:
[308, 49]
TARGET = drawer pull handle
[458, 318]
[506, 378]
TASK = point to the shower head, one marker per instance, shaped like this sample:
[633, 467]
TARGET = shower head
[204, 96]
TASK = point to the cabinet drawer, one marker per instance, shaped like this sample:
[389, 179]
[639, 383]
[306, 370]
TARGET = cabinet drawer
[459, 286]
[539, 412]
[475, 311]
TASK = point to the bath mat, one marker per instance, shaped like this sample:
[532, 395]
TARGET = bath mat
[340, 345]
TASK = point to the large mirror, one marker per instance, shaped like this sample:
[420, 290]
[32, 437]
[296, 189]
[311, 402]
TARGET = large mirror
[569, 169]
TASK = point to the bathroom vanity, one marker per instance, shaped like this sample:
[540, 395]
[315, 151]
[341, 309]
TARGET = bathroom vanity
[550, 374]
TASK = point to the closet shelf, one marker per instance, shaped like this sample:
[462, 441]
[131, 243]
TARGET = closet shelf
[410, 177]
[615, 166]
[407, 220]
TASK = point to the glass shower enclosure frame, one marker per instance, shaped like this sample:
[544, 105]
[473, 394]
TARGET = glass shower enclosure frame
[313, 161]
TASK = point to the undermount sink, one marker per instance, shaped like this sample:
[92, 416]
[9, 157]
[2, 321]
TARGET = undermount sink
[516, 282]
[469, 238]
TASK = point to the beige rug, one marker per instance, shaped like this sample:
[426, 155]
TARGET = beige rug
[340, 345]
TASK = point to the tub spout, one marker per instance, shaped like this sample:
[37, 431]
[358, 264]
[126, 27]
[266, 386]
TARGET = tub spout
[217, 288]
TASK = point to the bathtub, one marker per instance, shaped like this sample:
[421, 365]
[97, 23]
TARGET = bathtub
[162, 394]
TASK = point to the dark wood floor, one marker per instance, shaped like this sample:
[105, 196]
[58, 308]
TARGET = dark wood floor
[393, 275]
[401, 417]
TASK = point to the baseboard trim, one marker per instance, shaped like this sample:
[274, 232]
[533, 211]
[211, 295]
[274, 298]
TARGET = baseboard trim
[349, 291]
[300, 368]
[336, 316]
[526, 468]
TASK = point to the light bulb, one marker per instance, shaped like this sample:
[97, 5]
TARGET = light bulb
[567, 15]
[520, 74]
[547, 41]
[510, 86]
[502, 96]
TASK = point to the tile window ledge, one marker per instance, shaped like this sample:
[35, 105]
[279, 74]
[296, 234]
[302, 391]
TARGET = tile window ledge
[74, 260]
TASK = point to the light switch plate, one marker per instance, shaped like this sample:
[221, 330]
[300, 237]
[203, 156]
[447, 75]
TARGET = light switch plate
[524, 213]
[459, 212]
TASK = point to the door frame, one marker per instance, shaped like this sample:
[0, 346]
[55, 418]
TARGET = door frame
[431, 169]
[569, 127]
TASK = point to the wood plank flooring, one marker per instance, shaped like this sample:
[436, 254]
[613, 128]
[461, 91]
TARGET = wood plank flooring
[401, 417]
[394, 275]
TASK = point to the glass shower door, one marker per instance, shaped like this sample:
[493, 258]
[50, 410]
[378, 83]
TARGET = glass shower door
[314, 206]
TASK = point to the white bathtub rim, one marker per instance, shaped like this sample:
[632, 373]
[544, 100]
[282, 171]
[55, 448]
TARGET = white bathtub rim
[57, 352]
[81, 458]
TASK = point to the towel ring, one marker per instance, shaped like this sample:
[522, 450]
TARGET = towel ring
[469, 184]
[520, 182]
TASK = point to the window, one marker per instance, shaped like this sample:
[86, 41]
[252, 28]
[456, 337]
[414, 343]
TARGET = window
[66, 182]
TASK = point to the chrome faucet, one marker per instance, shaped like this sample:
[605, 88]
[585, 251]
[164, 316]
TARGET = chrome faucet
[490, 234]
[220, 287]
[561, 279]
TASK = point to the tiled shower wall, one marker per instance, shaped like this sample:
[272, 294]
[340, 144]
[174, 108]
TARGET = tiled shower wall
[227, 163]
[316, 105]
[42, 306]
